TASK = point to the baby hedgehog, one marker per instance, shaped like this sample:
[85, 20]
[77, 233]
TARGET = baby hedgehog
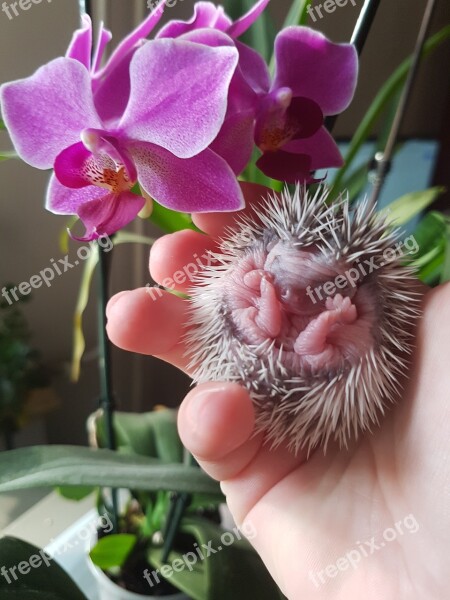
[310, 307]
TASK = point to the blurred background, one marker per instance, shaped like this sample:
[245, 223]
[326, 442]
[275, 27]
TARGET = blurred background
[29, 236]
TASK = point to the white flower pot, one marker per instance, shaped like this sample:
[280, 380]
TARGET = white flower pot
[108, 590]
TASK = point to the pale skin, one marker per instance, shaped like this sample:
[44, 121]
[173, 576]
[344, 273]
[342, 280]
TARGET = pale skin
[386, 498]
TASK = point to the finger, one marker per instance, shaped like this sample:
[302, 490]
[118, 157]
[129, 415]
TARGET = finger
[216, 423]
[214, 224]
[149, 321]
[177, 258]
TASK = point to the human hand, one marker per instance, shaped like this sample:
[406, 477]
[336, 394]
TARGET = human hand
[371, 521]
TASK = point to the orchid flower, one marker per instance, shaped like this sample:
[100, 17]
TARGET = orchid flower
[161, 139]
[314, 78]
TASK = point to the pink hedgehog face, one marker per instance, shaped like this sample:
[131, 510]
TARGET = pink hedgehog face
[310, 307]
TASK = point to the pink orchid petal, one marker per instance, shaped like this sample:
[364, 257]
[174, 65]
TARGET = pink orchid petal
[112, 92]
[182, 113]
[284, 166]
[306, 116]
[321, 147]
[135, 37]
[314, 67]
[80, 47]
[208, 37]
[106, 215]
[71, 166]
[241, 95]
[254, 68]
[206, 14]
[203, 183]
[62, 200]
[104, 37]
[241, 25]
[282, 118]
[235, 140]
[46, 112]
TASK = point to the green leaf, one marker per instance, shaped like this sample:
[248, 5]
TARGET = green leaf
[382, 100]
[430, 274]
[428, 233]
[112, 550]
[75, 493]
[49, 466]
[122, 237]
[403, 209]
[7, 155]
[2, 125]
[237, 563]
[45, 579]
[79, 343]
[431, 237]
[430, 256]
[386, 124]
[298, 13]
[152, 434]
[170, 220]
[445, 274]
[155, 512]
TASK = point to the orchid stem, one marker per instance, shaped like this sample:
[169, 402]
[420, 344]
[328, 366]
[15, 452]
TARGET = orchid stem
[104, 359]
[105, 372]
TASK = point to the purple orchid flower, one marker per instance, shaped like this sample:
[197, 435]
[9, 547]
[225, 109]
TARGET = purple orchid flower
[314, 78]
[161, 139]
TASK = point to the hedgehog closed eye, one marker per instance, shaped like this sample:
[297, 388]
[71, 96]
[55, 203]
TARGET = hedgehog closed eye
[301, 307]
